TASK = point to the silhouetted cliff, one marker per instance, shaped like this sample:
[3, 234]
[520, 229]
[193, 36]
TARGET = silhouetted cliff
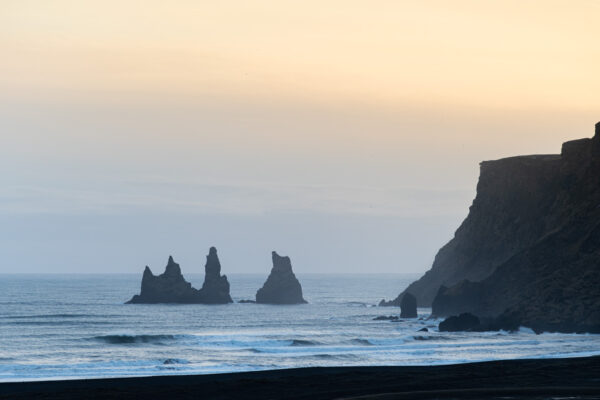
[530, 248]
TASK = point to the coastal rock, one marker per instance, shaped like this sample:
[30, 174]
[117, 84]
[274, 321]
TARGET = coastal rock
[386, 318]
[529, 250]
[462, 322]
[282, 286]
[169, 287]
[215, 289]
[458, 297]
[408, 306]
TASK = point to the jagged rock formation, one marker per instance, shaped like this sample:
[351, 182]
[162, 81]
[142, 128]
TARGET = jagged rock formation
[529, 251]
[215, 289]
[171, 287]
[282, 286]
[408, 306]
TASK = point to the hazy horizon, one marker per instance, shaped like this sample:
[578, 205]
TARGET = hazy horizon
[347, 137]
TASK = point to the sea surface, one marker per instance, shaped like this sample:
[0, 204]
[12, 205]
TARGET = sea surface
[77, 326]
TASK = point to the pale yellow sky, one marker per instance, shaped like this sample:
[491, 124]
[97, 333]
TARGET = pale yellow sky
[491, 54]
[343, 133]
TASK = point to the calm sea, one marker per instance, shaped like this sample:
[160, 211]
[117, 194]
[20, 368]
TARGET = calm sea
[75, 326]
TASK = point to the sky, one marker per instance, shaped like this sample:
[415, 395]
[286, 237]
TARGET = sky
[345, 134]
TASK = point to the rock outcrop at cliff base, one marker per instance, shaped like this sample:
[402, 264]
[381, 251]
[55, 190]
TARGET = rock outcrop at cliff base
[460, 323]
[282, 286]
[529, 251]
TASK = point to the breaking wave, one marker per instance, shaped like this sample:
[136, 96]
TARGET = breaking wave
[132, 339]
[361, 342]
[300, 342]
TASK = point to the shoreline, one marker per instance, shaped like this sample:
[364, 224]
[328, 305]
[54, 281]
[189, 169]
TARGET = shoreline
[526, 378]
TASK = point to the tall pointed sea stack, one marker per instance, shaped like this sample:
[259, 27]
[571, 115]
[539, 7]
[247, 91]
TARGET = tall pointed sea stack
[169, 287]
[282, 286]
[215, 289]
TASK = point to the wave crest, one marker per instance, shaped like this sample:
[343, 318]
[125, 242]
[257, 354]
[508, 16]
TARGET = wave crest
[133, 339]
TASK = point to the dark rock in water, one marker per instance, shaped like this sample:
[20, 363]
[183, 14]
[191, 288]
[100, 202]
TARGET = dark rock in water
[281, 286]
[423, 330]
[408, 306]
[386, 318]
[448, 300]
[247, 301]
[470, 322]
[529, 250]
[171, 287]
[463, 322]
[215, 289]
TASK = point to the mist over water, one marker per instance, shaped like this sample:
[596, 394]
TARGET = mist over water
[70, 326]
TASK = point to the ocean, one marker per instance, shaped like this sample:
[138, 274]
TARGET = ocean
[77, 326]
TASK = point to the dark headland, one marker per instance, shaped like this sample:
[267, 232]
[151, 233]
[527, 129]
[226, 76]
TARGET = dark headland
[574, 378]
[528, 253]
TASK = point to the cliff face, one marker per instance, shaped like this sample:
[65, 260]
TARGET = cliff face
[530, 247]
[282, 286]
[507, 216]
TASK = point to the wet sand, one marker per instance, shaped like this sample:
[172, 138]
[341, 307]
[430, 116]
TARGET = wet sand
[574, 378]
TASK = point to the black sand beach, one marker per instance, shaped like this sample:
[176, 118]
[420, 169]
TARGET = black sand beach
[573, 378]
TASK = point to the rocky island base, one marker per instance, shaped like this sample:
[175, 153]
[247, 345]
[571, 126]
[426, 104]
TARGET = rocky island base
[573, 378]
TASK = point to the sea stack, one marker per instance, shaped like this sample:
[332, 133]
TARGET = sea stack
[215, 289]
[282, 286]
[408, 306]
[169, 287]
